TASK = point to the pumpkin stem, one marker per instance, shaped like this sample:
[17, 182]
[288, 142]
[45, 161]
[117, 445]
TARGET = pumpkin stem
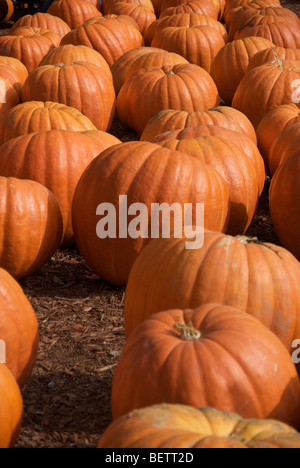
[188, 332]
[277, 59]
[248, 240]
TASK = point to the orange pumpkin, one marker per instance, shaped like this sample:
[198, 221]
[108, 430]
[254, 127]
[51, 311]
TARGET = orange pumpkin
[73, 12]
[285, 144]
[205, 7]
[282, 34]
[11, 405]
[141, 14]
[45, 21]
[222, 347]
[267, 55]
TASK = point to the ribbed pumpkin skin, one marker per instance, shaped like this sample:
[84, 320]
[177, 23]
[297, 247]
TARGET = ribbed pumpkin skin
[195, 6]
[55, 159]
[17, 66]
[187, 427]
[142, 15]
[37, 116]
[222, 370]
[265, 88]
[231, 63]
[232, 7]
[240, 139]
[11, 405]
[122, 65]
[247, 15]
[70, 53]
[234, 166]
[284, 145]
[206, 40]
[223, 116]
[31, 226]
[275, 122]
[11, 75]
[181, 87]
[29, 48]
[79, 84]
[281, 34]
[110, 37]
[45, 21]
[284, 203]
[267, 55]
[185, 20]
[260, 279]
[147, 174]
[106, 5]
[73, 12]
[8, 97]
[18, 328]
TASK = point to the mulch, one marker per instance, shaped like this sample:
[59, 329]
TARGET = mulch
[67, 398]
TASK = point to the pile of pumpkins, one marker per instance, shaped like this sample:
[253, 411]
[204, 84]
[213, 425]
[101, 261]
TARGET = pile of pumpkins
[212, 90]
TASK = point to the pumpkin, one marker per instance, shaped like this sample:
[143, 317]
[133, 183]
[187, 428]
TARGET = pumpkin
[6, 10]
[230, 161]
[275, 122]
[239, 139]
[284, 198]
[17, 66]
[107, 5]
[146, 174]
[260, 279]
[194, 6]
[230, 64]
[8, 97]
[31, 223]
[222, 346]
[282, 34]
[121, 66]
[265, 88]
[55, 159]
[45, 21]
[18, 329]
[267, 55]
[11, 405]
[184, 20]
[12, 76]
[187, 427]
[285, 144]
[206, 40]
[232, 7]
[141, 14]
[248, 15]
[30, 47]
[82, 85]
[37, 116]
[111, 37]
[148, 91]
[223, 116]
[70, 53]
[73, 12]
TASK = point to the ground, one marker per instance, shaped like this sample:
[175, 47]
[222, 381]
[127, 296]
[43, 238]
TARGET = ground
[67, 398]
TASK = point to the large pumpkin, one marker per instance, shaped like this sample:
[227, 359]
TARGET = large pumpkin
[285, 144]
[11, 407]
[55, 159]
[45, 21]
[231, 63]
[12, 76]
[18, 329]
[206, 40]
[223, 116]
[205, 7]
[282, 34]
[260, 279]
[207, 356]
[73, 12]
[37, 116]
[187, 427]
[111, 37]
[181, 87]
[267, 55]
[273, 124]
[284, 203]
[31, 223]
[233, 6]
[146, 174]
[78, 84]
[16, 65]
[141, 14]
[29, 45]
[231, 162]
[265, 88]
[185, 20]
[9, 97]
[107, 5]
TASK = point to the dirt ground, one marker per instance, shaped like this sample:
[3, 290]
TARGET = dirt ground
[67, 398]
